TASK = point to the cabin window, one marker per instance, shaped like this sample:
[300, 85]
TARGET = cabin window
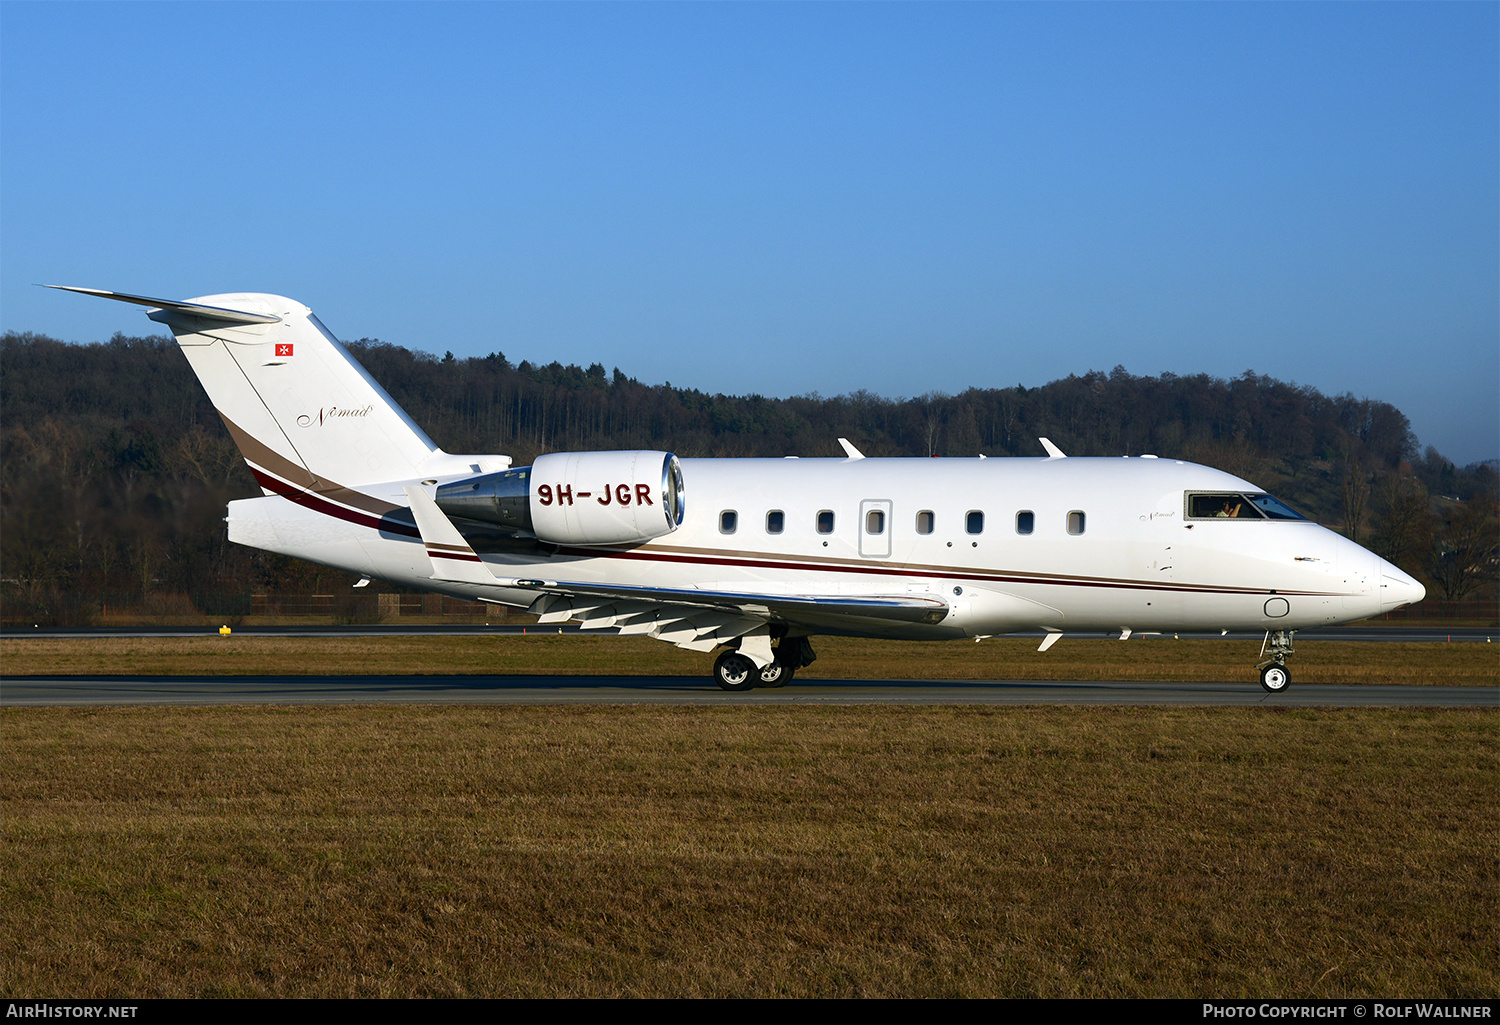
[825, 521]
[1075, 522]
[1025, 522]
[775, 521]
[728, 520]
[875, 522]
[974, 522]
[924, 521]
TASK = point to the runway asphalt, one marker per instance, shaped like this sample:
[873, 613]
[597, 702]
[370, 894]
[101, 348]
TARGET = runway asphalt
[17, 692]
[1439, 634]
[465, 689]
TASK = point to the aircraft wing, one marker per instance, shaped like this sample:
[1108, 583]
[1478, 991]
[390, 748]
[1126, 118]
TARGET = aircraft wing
[808, 608]
[701, 620]
[694, 618]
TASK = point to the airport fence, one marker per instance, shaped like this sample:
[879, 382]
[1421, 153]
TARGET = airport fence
[234, 607]
[1481, 611]
[356, 607]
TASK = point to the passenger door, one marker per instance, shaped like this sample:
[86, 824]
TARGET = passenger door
[875, 528]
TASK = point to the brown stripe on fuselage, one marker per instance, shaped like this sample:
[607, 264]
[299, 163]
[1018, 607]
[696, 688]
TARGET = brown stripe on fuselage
[319, 504]
[358, 499]
[457, 556]
[256, 451]
[774, 560]
[723, 557]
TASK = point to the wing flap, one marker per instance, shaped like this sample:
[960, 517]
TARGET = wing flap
[891, 608]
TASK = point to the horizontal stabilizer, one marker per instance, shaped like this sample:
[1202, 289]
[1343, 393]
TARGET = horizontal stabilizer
[193, 309]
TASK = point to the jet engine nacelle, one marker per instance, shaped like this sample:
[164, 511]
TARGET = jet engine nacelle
[577, 498]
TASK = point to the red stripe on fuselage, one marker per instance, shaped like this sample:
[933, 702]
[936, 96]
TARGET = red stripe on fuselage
[458, 556]
[317, 503]
[927, 574]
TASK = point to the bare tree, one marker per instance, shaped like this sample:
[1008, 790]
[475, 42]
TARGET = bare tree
[1405, 519]
[1356, 494]
[1463, 553]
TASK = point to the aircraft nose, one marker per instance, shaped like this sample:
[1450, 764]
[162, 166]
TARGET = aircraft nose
[1398, 589]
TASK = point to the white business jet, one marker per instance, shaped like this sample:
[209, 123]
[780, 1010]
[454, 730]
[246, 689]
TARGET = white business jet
[749, 558]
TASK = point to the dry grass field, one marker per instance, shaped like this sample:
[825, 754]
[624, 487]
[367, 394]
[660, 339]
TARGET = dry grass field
[400, 851]
[749, 851]
[838, 658]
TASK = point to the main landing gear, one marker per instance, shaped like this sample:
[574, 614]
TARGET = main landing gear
[736, 672]
[1274, 675]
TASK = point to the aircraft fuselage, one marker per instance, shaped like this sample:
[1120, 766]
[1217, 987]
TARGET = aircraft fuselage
[1008, 544]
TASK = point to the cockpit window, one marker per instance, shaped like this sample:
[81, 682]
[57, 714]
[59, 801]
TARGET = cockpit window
[1275, 510]
[1221, 506]
[1229, 505]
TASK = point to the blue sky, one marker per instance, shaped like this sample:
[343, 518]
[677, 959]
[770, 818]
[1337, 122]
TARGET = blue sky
[788, 198]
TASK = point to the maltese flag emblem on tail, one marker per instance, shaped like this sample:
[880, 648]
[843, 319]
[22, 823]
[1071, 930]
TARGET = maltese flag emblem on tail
[283, 348]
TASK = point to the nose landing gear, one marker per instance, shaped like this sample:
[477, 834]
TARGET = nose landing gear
[1274, 675]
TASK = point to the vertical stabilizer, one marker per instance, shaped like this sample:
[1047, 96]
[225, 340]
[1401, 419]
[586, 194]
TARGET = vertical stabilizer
[299, 406]
[294, 398]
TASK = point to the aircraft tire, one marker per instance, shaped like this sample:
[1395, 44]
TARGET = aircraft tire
[1275, 678]
[735, 672]
[777, 674]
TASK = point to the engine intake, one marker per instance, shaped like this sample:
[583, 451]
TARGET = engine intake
[577, 498]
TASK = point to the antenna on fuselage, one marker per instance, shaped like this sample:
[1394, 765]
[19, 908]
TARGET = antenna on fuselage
[1053, 452]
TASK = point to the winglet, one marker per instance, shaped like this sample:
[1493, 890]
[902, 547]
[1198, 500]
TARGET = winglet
[1053, 452]
[449, 553]
[850, 450]
[193, 309]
